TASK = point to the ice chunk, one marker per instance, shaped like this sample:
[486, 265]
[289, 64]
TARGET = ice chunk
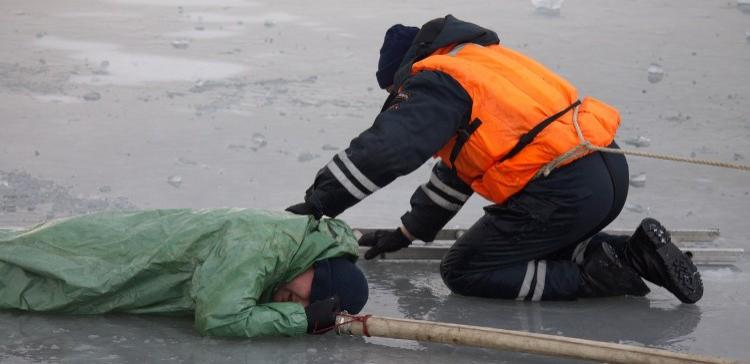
[547, 7]
[259, 141]
[638, 180]
[306, 156]
[639, 141]
[634, 207]
[180, 44]
[655, 73]
[92, 96]
[105, 189]
[743, 6]
[175, 181]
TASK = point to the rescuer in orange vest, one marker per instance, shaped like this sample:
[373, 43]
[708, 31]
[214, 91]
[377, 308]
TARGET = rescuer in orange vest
[507, 128]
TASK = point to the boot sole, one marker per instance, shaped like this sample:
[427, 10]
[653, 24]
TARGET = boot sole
[684, 279]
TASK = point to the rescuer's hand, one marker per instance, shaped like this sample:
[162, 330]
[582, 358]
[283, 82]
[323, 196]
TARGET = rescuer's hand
[305, 208]
[321, 315]
[383, 241]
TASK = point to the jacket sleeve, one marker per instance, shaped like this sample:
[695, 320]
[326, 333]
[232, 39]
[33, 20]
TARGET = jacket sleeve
[227, 290]
[434, 203]
[424, 115]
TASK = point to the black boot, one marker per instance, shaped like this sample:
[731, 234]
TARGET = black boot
[603, 274]
[651, 253]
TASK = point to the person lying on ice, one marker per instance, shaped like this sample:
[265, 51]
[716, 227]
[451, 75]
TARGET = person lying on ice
[242, 272]
[496, 119]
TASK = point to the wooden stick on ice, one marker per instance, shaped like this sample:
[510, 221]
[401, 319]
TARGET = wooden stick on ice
[485, 337]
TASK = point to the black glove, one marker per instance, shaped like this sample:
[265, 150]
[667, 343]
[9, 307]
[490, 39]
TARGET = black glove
[383, 241]
[305, 208]
[321, 315]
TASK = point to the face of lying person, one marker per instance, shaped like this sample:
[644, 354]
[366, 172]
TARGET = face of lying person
[297, 290]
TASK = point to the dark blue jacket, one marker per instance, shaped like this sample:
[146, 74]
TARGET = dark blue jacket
[416, 121]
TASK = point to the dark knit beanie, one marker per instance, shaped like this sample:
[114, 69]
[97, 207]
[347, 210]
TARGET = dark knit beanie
[340, 277]
[398, 39]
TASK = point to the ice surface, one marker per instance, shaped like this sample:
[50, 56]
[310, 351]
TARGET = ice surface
[199, 3]
[301, 74]
[200, 32]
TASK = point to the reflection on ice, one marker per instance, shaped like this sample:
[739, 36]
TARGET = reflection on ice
[132, 68]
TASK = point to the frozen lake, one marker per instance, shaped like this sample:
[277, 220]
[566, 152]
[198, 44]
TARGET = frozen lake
[205, 103]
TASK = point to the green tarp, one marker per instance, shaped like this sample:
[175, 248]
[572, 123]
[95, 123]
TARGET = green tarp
[220, 264]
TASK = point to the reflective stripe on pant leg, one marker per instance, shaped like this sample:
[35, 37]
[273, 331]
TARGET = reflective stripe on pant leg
[526, 285]
[541, 277]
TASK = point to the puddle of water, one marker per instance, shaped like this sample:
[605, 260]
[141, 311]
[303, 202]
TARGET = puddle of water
[134, 68]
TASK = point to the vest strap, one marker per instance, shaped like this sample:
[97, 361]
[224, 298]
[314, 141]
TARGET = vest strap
[463, 136]
[528, 137]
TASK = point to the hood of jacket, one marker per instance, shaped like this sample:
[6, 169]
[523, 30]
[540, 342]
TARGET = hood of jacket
[438, 33]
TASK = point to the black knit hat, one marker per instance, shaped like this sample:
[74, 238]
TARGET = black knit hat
[398, 39]
[340, 277]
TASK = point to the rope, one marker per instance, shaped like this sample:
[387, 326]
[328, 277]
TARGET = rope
[585, 146]
[354, 318]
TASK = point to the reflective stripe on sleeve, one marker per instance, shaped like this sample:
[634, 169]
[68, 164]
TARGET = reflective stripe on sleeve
[439, 200]
[448, 190]
[361, 178]
[341, 177]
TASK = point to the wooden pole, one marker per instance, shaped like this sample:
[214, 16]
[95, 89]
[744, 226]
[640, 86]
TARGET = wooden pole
[485, 337]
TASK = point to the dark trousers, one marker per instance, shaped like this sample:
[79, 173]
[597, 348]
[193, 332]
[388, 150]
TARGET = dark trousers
[522, 249]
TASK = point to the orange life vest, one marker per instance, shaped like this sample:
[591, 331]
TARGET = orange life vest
[511, 94]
